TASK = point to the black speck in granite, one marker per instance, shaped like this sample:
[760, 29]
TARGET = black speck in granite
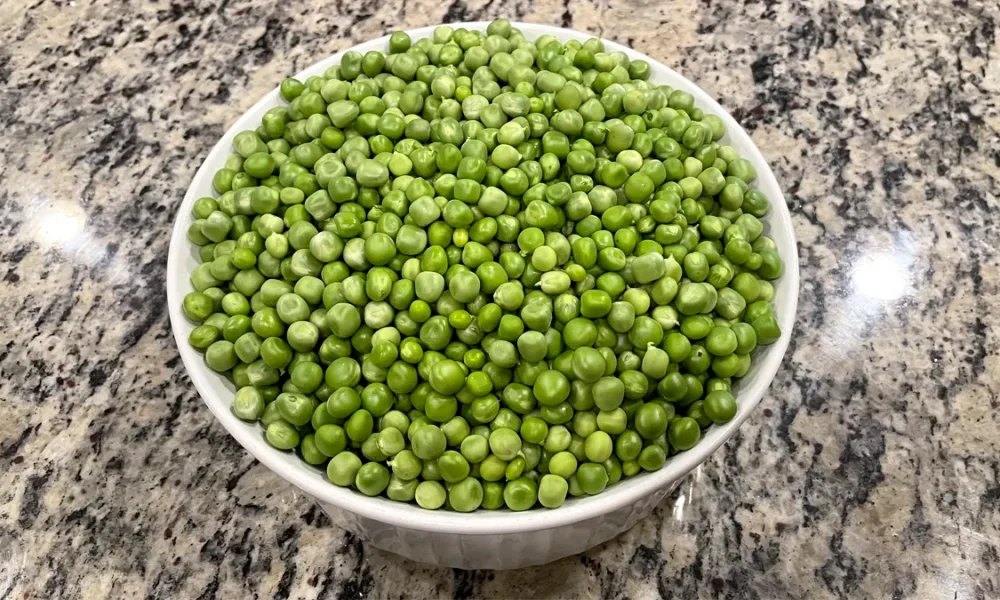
[870, 470]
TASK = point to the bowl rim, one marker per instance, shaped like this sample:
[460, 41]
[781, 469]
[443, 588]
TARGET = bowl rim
[482, 522]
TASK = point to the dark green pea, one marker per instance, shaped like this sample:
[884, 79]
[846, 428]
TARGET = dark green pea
[651, 420]
[719, 406]
[652, 458]
[746, 337]
[698, 361]
[766, 328]
[684, 433]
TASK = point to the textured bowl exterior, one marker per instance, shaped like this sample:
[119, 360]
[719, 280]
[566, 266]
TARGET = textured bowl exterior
[486, 539]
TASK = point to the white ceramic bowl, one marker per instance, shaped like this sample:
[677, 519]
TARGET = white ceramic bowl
[486, 539]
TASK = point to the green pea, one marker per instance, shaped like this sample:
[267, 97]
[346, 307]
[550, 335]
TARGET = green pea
[520, 493]
[466, 495]
[599, 446]
[588, 364]
[651, 420]
[504, 443]
[428, 442]
[330, 439]
[248, 404]
[282, 435]
[221, 356]
[684, 433]
[371, 479]
[720, 406]
[552, 490]
[652, 458]
[592, 477]
[766, 328]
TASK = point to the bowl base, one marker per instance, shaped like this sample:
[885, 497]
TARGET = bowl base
[499, 551]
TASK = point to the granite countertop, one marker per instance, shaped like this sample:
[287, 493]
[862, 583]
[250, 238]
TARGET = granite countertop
[870, 470]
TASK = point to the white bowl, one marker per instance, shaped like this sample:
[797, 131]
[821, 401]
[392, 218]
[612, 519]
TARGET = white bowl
[486, 539]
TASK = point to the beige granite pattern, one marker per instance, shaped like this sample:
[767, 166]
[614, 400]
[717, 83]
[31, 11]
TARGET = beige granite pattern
[871, 469]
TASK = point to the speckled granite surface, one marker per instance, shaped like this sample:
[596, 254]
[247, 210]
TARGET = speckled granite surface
[870, 470]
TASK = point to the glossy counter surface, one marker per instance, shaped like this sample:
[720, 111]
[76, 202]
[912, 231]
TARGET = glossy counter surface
[870, 469]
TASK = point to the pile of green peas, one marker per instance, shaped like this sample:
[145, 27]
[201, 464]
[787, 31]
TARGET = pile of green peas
[478, 271]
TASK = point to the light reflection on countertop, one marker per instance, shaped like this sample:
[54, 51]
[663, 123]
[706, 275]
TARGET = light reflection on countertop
[881, 277]
[56, 223]
[868, 471]
[61, 224]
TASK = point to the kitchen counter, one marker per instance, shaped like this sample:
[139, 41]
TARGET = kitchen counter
[870, 469]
